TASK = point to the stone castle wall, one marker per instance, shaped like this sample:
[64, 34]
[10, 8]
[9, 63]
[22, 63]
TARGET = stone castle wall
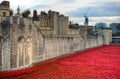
[58, 46]
[24, 44]
[21, 43]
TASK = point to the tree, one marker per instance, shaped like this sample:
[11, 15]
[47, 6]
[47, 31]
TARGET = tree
[11, 12]
[26, 13]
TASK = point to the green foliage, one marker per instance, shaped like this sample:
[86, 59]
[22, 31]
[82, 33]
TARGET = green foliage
[26, 13]
[11, 12]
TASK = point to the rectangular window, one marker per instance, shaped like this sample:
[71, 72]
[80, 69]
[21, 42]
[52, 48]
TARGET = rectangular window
[4, 14]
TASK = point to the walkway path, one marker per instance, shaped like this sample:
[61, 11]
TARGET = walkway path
[98, 63]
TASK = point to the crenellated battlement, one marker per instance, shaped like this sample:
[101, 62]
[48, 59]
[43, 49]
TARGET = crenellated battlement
[5, 5]
[19, 21]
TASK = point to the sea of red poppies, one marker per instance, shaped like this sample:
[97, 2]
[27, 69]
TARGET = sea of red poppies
[97, 63]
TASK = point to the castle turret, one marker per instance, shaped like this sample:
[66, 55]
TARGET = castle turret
[4, 9]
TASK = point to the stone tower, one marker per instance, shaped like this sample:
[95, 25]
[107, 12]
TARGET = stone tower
[4, 9]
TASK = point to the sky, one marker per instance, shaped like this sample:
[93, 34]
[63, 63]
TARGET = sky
[107, 11]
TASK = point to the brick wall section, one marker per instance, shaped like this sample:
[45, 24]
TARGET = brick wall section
[58, 46]
[14, 39]
[38, 44]
[6, 46]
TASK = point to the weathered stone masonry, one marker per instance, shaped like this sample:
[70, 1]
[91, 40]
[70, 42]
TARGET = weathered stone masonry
[22, 44]
[20, 40]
